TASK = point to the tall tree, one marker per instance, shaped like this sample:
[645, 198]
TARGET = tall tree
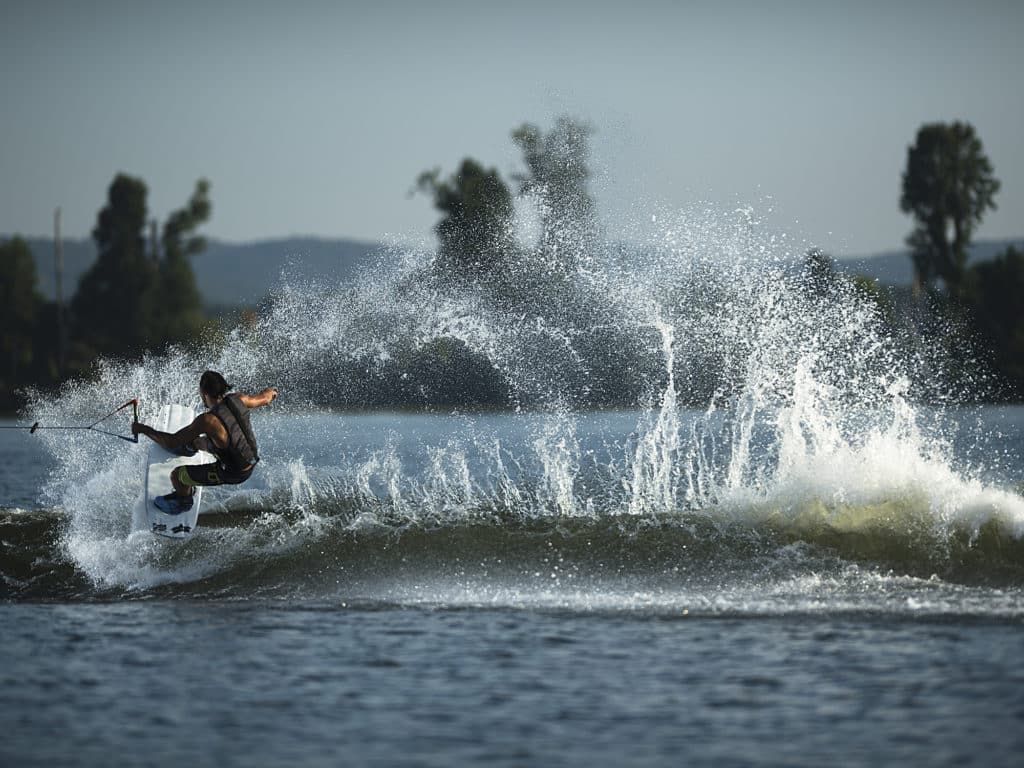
[180, 316]
[113, 307]
[133, 299]
[475, 231]
[948, 185]
[558, 174]
[19, 305]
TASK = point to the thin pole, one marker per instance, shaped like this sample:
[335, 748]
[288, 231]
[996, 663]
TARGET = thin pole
[58, 257]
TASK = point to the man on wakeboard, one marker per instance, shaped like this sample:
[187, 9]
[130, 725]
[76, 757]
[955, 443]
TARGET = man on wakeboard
[223, 430]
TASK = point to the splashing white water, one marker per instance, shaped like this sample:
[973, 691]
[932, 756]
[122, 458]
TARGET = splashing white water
[805, 399]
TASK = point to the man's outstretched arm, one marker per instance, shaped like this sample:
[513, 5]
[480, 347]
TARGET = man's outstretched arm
[263, 398]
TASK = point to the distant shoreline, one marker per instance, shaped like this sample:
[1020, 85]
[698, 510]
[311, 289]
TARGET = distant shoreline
[233, 275]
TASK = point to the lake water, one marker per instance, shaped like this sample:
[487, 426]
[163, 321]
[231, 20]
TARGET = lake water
[813, 567]
[559, 588]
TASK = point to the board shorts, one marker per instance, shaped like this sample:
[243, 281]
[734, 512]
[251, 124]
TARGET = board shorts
[192, 475]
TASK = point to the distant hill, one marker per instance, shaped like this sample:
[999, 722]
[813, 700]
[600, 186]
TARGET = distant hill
[896, 268]
[241, 274]
[229, 274]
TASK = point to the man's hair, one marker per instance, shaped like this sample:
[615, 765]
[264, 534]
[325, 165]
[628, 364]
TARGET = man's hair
[213, 384]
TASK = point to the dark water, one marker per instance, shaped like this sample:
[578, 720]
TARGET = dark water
[396, 590]
[195, 682]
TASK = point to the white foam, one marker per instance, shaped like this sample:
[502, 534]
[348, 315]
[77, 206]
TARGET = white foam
[814, 402]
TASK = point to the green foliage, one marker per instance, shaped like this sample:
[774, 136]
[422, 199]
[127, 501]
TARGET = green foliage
[179, 239]
[993, 296]
[132, 300]
[477, 244]
[28, 330]
[19, 307]
[947, 187]
[825, 282]
[557, 173]
[475, 229]
[113, 308]
[179, 316]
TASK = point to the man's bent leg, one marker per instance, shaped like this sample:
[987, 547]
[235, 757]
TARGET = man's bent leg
[181, 488]
[182, 498]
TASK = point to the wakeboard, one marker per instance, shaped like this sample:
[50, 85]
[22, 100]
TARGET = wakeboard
[159, 464]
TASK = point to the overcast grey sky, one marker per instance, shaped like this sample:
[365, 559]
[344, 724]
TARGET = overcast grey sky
[316, 117]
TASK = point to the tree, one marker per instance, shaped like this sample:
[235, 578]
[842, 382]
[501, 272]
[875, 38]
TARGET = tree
[475, 232]
[19, 305]
[179, 316]
[993, 294]
[132, 299]
[113, 307]
[947, 187]
[557, 174]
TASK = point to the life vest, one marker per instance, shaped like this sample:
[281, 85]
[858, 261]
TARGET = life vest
[241, 450]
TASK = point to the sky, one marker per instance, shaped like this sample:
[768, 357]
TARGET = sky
[316, 117]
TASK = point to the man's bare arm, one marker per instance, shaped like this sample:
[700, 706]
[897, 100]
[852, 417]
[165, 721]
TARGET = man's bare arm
[263, 398]
[168, 440]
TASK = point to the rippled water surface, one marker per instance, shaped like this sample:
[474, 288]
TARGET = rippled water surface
[266, 683]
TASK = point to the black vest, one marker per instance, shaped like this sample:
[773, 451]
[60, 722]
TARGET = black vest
[241, 450]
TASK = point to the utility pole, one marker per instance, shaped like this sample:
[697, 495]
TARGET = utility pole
[58, 257]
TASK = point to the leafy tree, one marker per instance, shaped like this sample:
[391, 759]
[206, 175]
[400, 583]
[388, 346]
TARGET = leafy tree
[113, 307]
[557, 173]
[180, 315]
[947, 187]
[133, 299]
[476, 244]
[475, 230]
[19, 306]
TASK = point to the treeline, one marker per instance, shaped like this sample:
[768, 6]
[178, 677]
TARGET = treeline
[948, 186]
[971, 314]
[139, 295]
[970, 319]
